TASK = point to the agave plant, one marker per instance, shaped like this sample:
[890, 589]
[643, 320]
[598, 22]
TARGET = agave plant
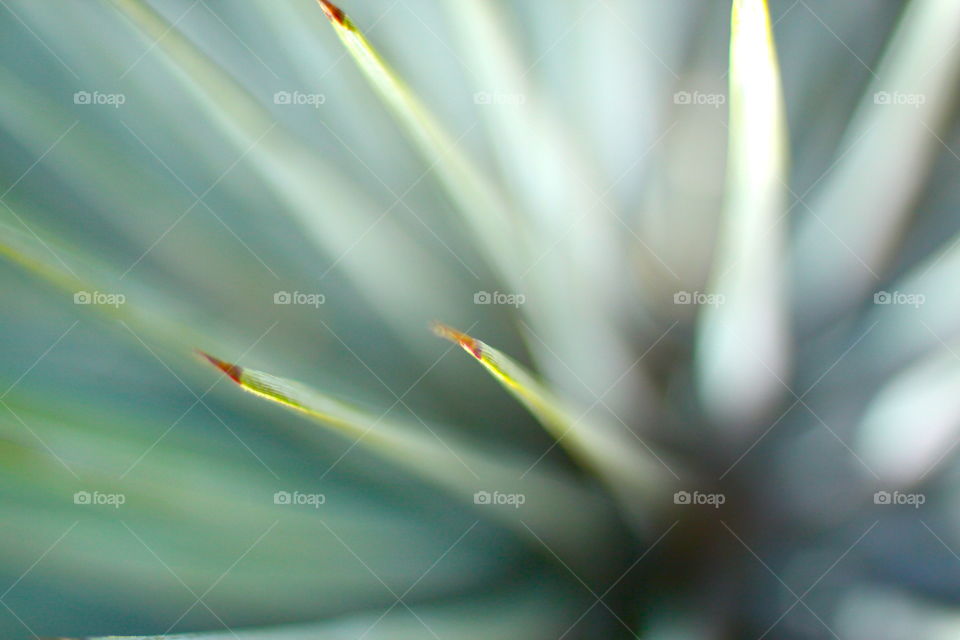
[724, 338]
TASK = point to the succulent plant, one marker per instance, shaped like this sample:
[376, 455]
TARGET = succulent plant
[700, 257]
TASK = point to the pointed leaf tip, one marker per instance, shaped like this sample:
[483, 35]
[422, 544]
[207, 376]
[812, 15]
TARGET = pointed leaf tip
[606, 451]
[234, 371]
[469, 344]
[333, 12]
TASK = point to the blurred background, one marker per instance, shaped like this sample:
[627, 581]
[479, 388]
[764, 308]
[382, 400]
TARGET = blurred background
[219, 175]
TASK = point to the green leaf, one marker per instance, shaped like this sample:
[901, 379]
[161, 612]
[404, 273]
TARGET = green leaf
[555, 184]
[191, 510]
[850, 231]
[553, 504]
[502, 616]
[616, 455]
[743, 344]
[910, 428]
[319, 199]
[498, 230]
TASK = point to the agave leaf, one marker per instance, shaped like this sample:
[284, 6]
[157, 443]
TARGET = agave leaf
[146, 310]
[128, 192]
[913, 422]
[867, 608]
[22, 248]
[617, 61]
[183, 492]
[585, 337]
[452, 469]
[556, 185]
[72, 272]
[519, 616]
[319, 199]
[503, 235]
[452, 464]
[497, 229]
[854, 222]
[915, 314]
[742, 348]
[611, 454]
[553, 178]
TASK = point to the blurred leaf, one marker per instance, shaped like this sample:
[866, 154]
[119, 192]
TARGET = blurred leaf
[505, 235]
[609, 453]
[321, 201]
[519, 616]
[72, 272]
[125, 190]
[743, 348]
[916, 312]
[853, 226]
[189, 512]
[553, 504]
[913, 423]
[499, 232]
[556, 185]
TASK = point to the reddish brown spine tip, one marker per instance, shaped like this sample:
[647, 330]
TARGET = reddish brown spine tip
[232, 370]
[333, 11]
[465, 341]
